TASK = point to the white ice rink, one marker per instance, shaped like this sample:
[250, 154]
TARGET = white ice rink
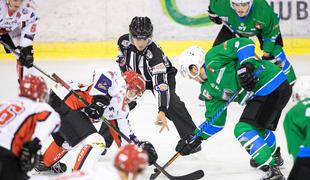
[221, 158]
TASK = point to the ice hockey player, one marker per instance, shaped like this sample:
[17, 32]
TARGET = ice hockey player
[223, 71]
[18, 23]
[24, 124]
[297, 130]
[246, 18]
[139, 52]
[109, 96]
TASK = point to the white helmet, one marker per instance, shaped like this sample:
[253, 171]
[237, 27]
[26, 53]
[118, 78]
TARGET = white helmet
[301, 89]
[241, 2]
[194, 55]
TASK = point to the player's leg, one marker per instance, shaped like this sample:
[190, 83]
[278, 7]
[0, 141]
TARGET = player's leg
[177, 111]
[258, 149]
[52, 155]
[253, 143]
[270, 140]
[300, 170]
[93, 146]
[104, 131]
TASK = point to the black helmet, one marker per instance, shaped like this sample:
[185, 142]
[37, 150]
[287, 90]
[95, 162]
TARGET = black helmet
[141, 27]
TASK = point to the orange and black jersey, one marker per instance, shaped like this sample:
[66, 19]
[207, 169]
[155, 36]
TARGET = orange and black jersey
[22, 120]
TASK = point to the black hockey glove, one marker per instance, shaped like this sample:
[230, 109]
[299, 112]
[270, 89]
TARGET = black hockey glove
[150, 150]
[97, 107]
[246, 76]
[186, 146]
[30, 155]
[26, 56]
[214, 17]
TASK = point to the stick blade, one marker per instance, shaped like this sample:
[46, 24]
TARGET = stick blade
[191, 176]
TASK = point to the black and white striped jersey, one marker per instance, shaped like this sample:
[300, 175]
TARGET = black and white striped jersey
[152, 63]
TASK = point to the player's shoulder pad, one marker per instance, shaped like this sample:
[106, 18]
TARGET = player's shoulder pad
[123, 41]
[153, 50]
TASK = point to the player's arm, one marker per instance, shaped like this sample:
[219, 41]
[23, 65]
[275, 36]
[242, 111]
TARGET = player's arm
[270, 31]
[160, 81]
[28, 32]
[245, 50]
[212, 11]
[121, 58]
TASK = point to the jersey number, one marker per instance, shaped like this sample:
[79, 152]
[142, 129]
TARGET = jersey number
[9, 113]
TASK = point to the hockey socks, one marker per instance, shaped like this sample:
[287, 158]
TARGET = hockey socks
[53, 154]
[90, 152]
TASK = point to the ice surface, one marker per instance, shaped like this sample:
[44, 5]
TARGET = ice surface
[221, 158]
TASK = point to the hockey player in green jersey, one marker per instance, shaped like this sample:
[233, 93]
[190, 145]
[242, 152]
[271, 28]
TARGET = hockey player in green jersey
[245, 18]
[297, 130]
[225, 70]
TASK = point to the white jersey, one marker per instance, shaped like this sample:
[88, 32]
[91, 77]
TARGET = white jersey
[21, 25]
[23, 120]
[104, 82]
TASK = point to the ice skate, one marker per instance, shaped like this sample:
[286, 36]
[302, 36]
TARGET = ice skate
[57, 168]
[273, 173]
[278, 159]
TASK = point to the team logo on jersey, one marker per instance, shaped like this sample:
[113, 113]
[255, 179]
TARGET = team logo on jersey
[149, 54]
[161, 87]
[103, 84]
[125, 43]
[242, 27]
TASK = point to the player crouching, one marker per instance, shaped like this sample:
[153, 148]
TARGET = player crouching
[108, 97]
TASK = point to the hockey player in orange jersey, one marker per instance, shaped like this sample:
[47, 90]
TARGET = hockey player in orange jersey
[24, 124]
[108, 96]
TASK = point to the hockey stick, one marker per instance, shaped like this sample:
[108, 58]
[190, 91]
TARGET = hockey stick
[18, 54]
[206, 123]
[195, 175]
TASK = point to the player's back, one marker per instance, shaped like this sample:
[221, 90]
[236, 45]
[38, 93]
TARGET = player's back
[19, 122]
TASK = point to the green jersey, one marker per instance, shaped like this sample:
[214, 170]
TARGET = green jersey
[261, 20]
[297, 129]
[221, 65]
